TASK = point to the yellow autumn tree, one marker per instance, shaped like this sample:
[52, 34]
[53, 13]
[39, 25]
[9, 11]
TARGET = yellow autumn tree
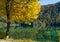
[19, 10]
[2, 9]
[24, 10]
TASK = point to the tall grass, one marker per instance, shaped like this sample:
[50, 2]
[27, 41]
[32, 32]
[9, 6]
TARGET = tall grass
[35, 34]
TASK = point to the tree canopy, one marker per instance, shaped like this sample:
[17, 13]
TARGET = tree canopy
[21, 10]
[25, 10]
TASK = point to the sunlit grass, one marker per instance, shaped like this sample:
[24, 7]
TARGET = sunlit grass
[25, 40]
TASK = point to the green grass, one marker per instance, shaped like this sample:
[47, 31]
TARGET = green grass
[34, 34]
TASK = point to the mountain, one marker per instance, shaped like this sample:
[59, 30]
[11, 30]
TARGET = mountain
[51, 14]
[51, 8]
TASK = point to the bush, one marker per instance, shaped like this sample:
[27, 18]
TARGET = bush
[34, 33]
[2, 34]
[39, 34]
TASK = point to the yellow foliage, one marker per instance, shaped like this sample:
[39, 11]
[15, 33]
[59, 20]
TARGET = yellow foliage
[21, 10]
[2, 7]
[25, 11]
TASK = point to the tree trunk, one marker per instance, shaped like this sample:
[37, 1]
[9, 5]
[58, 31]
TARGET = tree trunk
[8, 17]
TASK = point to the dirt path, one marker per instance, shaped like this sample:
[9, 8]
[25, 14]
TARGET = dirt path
[6, 40]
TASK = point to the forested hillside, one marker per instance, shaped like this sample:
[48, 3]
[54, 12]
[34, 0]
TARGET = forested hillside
[51, 14]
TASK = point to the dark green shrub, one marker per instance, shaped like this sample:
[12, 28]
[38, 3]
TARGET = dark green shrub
[34, 33]
[2, 34]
